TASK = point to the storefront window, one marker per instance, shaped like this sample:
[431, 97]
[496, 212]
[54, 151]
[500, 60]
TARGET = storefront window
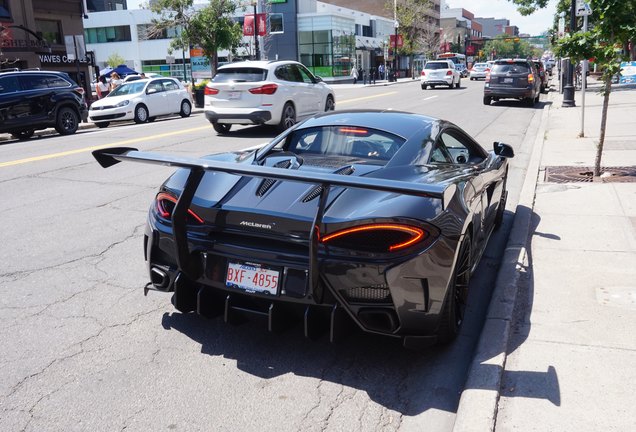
[50, 31]
[326, 44]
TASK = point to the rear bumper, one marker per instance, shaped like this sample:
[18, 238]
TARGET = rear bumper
[503, 92]
[440, 81]
[239, 116]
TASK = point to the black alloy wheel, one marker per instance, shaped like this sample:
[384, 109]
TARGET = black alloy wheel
[456, 300]
[67, 121]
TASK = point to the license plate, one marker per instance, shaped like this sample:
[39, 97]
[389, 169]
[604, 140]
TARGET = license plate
[508, 80]
[234, 95]
[252, 278]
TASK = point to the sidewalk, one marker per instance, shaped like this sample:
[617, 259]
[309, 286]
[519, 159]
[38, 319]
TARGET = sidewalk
[558, 350]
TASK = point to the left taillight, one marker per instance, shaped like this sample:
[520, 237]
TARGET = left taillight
[267, 89]
[449, 72]
[377, 238]
[165, 204]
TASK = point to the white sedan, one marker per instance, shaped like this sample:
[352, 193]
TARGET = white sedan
[440, 72]
[142, 101]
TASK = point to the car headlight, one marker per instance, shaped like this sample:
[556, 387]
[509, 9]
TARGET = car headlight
[122, 104]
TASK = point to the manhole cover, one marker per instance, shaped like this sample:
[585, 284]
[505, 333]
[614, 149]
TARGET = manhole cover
[575, 174]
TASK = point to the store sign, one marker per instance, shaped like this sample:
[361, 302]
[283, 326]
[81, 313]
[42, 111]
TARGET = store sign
[200, 64]
[8, 41]
[60, 59]
[261, 22]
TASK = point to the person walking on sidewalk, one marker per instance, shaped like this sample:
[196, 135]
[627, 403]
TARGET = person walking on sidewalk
[381, 71]
[372, 75]
[354, 74]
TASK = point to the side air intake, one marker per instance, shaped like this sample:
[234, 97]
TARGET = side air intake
[267, 183]
[315, 192]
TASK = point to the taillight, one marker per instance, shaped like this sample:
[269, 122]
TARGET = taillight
[210, 91]
[487, 79]
[423, 73]
[530, 78]
[449, 72]
[267, 89]
[165, 204]
[377, 238]
[487, 69]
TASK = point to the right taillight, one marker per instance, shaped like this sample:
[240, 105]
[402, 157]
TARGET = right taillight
[378, 238]
[208, 91]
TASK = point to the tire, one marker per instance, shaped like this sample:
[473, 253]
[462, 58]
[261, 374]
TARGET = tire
[141, 114]
[424, 86]
[222, 128]
[67, 121]
[102, 125]
[459, 82]
[288, 118]
[454, 310]
[433, 87]
[536, 99]
[530, 101]
[330, 105]
[487, 100]
[186, 109]
[472, 79]
[151, 119]
[23, 134]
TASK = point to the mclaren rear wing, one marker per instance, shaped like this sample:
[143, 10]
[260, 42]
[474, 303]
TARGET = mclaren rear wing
[197, 166]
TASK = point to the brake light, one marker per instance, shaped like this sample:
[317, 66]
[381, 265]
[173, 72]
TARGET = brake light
[165, 204]
[487, 69]
[449, 72]
[530, 78]
[353, 130]
[267, 89]
[487, 79]
[377, 237]
[210, 91]
[423, 73]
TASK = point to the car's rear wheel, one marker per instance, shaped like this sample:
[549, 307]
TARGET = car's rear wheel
[102, 124]
[459, 82]
[222, 128]
[487, 100]
[424, 86]
[455, 303]
[288, 119]
[67, 121]
[330, 105]
[530, 101]
[23, 134]
[536, 99]
[186, 109]
[151, 119]
[141, 114]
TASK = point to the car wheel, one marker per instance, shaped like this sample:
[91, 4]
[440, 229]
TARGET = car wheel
[459, 82]
[67, 121]
[102, 124]
[472, 78]
[454, 310]
[530, 101]
[330, 105]
[487, 100]
[151, 119]
[141, 114]
[222, 128]
[433, 87]
[536, 99]
[424, 86]
[23, 134]
[288, 118]
[186, 109]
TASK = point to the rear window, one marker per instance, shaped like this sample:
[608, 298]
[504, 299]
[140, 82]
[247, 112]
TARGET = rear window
[480, 65]
[521, 68]
[242, 74]
[436, 65]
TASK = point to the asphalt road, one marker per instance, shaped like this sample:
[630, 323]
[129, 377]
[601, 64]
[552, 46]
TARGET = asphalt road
[82, 348]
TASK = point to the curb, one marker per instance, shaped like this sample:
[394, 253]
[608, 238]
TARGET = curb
[477, 410]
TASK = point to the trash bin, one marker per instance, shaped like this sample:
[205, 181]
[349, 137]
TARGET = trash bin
[199, 98]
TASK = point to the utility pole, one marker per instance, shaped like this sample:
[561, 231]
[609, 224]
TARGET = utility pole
[568, 90]
[257, 54]
[396, 24]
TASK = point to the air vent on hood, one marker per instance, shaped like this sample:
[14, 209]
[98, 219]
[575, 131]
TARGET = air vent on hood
[315, 192]
[267, 183]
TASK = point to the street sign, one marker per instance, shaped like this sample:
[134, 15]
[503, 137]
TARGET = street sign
[583, 8]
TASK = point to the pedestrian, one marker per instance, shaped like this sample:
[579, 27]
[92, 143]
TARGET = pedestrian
[381, 71]
[102, 87]
[354, 74]
[115, 81]
[360, 73]
[142, 75]
[372, 75]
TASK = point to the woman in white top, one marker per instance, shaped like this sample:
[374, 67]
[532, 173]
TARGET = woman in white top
[102, 87]
[115, 81]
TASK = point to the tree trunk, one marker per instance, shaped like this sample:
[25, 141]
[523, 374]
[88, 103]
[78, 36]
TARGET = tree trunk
[601, 140]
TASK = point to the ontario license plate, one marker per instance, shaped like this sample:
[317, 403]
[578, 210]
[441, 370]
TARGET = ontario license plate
[234, 95]
[252, 278]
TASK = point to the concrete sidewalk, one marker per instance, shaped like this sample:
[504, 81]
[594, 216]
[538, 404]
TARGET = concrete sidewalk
[558, 350]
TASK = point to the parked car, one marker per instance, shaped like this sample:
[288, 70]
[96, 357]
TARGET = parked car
[34, 100]
[543, 76]
[375, 216]
[142, 101]
[440, 72]
[276, 93]
[479, 70]
[135, 77]
[512, 78]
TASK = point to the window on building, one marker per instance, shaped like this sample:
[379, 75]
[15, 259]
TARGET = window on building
[150, 32]
[276, 23]
[107, 34]
[50, 31]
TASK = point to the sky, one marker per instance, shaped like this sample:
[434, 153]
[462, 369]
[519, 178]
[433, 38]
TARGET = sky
[534, 24]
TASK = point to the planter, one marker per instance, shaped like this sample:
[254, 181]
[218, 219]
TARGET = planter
[199, 98]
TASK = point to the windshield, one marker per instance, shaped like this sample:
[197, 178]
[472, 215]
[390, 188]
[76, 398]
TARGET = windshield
[128, 89]
[242, 74]
[436, 65]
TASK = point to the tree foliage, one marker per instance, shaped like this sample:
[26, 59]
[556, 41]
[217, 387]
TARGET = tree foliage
[414, 24]
[507, 46]
[115, 60]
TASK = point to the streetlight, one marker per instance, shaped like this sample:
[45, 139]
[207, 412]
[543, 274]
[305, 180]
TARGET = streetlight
[257, 54]
[568, 90]
[396, 24]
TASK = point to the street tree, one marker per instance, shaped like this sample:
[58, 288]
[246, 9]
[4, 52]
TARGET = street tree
[115, 60]
[507, 46]
[414, 18]
[604, 42]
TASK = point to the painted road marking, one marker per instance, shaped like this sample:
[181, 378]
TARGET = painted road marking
[364, 98]
[99, 147]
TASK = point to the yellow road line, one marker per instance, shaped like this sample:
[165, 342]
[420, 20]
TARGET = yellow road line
[364, 98]
[89, 149]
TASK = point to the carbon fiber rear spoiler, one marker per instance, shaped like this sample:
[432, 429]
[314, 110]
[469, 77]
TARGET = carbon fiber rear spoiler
[197, 166]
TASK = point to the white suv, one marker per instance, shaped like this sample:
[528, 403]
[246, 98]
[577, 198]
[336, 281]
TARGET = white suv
[440, 72]
[265, 92]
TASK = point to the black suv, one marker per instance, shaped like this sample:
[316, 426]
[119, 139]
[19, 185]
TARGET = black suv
[513, 78]
[32, 100]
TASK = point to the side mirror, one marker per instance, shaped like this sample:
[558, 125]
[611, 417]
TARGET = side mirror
[503, 150]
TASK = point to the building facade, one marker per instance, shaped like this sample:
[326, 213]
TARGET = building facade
[45, 35]
[461, 30]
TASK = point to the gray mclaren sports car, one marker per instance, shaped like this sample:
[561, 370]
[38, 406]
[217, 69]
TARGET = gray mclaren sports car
[376, 218]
